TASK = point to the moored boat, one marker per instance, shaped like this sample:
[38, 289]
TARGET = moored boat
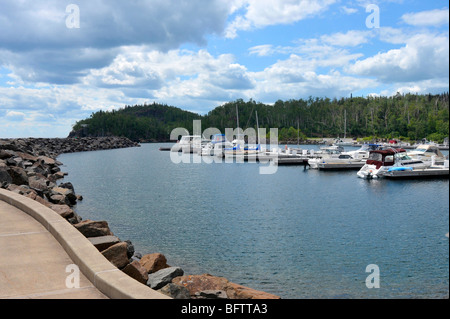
[380, 161]
[433, 171]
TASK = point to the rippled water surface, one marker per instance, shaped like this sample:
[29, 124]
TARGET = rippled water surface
[297, 233]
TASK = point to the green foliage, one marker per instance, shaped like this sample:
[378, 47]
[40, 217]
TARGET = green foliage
[139, 123]
[412, 116]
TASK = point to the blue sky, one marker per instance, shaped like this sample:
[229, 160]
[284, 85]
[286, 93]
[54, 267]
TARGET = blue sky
[197, 55]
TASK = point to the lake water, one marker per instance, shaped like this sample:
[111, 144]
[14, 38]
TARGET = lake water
[298, 233]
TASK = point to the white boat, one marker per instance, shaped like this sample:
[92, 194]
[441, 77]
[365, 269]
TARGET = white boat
[343, 161]
[188, 144]
[364, 151]
[380, 161]
[327, 152]
[341, 142]
[217, 146]
[426, 152]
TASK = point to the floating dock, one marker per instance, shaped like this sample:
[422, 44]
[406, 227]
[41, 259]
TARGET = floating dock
[431, 172]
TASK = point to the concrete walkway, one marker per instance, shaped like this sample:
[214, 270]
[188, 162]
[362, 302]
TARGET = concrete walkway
[36, 247]
[33, 263]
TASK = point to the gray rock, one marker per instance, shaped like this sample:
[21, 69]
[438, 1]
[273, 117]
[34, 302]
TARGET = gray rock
[104, 242]
[90, 228]
[175, 291]
[163, 277]
[211, 294]
[130, 248]
[4, 176]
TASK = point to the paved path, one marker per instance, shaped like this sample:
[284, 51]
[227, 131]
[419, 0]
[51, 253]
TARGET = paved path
[33, 263]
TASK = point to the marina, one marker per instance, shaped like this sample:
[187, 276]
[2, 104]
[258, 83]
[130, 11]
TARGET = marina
[298, 233]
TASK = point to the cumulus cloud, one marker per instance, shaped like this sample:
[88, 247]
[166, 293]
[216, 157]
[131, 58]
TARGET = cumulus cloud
[15, 116]
[262, 13]
[37, 46]
[435, 17]
[349, 39]
[425, 56]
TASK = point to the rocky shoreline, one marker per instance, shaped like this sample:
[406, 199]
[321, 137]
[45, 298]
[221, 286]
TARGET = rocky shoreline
[28, 166]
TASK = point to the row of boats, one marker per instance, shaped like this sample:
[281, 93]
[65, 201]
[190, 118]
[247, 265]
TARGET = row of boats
[371, 160]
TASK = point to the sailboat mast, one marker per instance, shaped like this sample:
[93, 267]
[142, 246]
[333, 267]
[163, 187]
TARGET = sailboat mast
[257, 124]
[345, 124]
[237, 117]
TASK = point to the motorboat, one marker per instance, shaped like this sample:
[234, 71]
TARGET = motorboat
[364, 151]
[327, 152]
[341, 142]
[217, 146]
[380, 161]
[426, 152]
[343, 161]
[188, 144]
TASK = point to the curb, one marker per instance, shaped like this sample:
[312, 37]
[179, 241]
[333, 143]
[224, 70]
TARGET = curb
[111, 281]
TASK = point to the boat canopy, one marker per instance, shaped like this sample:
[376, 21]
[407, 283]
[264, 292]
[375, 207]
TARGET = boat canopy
[383, 157]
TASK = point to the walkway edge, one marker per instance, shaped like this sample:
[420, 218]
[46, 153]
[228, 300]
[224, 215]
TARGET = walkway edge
[101, 273]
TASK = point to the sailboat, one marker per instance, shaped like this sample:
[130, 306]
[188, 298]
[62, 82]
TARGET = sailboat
[343, 142]
[239, 148]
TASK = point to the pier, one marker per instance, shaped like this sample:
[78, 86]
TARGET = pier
[38, 245]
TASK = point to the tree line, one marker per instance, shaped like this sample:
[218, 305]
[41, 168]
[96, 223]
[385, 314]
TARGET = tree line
[407, 117]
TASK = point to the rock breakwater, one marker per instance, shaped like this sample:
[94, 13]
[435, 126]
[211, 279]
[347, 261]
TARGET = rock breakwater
[29, 167]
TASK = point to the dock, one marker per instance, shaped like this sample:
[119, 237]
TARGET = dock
[439, 172]
[280, 159]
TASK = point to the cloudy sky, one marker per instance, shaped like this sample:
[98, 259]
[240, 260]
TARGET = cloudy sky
[62, 60]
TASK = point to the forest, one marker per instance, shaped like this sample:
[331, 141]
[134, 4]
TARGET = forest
[408, 117]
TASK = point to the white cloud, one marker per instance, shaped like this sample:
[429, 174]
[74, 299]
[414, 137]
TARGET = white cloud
[262, 13]
[38, 47]
[348, 10]
[435, 17]
[15, 116]
[262, 50]
[349, 39]
[425, 56]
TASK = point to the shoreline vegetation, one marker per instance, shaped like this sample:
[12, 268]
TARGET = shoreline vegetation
[29, 167]
[405, 117]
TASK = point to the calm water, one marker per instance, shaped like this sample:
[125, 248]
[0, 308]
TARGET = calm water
[297, 233]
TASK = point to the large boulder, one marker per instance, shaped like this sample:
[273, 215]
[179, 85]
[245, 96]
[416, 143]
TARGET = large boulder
[64, 210]
[175, 291]
[163, 277]
[47, 160]
[104, 242]
[4, 176]
[136, 271]
[39, 183]
[117, 254]
[242, 292]
[90, 228]
[154, 262]
[68, 194]
[19, 175]
[196, 284]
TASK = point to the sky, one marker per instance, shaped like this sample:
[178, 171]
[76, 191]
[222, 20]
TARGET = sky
[60, 61]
